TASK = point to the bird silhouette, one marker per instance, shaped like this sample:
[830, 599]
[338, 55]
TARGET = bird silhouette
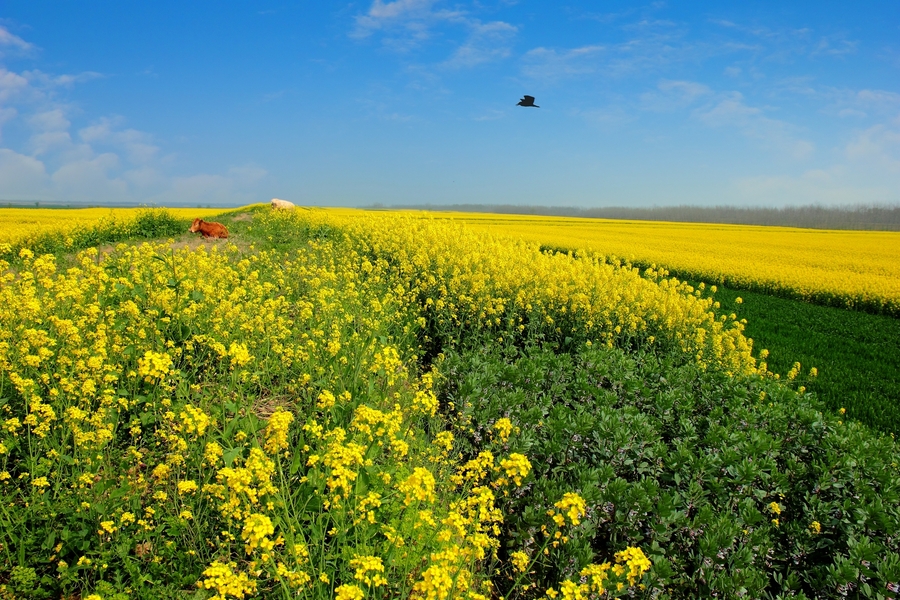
[528, 101]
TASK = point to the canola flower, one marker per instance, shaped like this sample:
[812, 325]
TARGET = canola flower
[596, 580]
[21, 223]
[468, 281]
[844, 268]
[118, 367]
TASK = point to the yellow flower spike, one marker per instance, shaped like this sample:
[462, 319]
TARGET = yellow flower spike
[369, 570]
[276, 432]
[503, 427]
[348, 592]
[517, 467]
[572, 506]
[520, 561]
[225, 581]
[419, 486]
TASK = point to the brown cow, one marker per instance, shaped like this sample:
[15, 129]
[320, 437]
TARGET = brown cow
[209, 230]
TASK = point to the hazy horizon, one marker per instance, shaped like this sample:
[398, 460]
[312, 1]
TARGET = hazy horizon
[413, 102]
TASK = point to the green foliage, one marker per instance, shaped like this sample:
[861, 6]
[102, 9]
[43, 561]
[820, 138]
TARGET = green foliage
[735, 488]
[856, 354]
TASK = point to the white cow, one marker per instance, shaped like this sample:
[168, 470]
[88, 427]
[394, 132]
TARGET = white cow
[282, 204]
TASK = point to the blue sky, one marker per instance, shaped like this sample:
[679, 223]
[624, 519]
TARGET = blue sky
[413, 101]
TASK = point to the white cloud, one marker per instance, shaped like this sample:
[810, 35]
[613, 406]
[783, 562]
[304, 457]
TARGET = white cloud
[247, 174]
[846, 102]
[491, 115]
[729, 110]
[62, 159]
[398, 8]
[23, 177]
[487, 42]
[851, 112]
[880, 99]
[673, 95]
[834, 47]
[49, 120]
[408, 22]
[91, 180]
[6, 114]
[818, 186]
[11, 85]
[608, 117]
[45, 82]
[10, 40]
[548, 64]
[235, 187]
[136, 144]
[879, 145]
[50, 141]
[145, 178]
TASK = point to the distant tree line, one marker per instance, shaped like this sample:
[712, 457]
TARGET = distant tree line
[859, 216]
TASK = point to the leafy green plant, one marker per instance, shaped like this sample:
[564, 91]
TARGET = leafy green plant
[738, 486]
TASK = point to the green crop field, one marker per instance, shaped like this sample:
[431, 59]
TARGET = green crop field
[856, 354]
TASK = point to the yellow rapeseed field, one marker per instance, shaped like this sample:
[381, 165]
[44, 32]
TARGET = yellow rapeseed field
[856, 269]
[253, 423]
[18, 223]
[467, 279]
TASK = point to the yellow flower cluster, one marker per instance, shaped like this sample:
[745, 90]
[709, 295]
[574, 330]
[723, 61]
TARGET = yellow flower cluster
[369, 570]
[241, 489]
[848, 267]
[22, 223]
[277, 431]
[418, 487]
[572, 505]
[468, 280]
[630, 565]
[133, 362]
[516, 467]
[154, 365]
[223, 579]
[257, 529]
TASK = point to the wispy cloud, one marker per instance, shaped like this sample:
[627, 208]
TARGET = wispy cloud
[673, 95]
[11, 85]
[783, 43]
[487, 42]
[138, 145]
[405, 23]
[832, 46]
[11, 41]
[408, 24]
[66, 80]
[831, 186]
[730, 111]
[548, 63]
[101, 160]
[606, 117]
[846, 102]
[879, 144]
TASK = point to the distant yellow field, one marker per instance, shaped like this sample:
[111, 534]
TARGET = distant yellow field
[18, 223]
[847, 268]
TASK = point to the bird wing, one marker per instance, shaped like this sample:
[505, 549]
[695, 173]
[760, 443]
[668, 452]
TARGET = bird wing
[529, 99]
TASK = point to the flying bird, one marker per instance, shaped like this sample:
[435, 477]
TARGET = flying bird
[528, 101]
